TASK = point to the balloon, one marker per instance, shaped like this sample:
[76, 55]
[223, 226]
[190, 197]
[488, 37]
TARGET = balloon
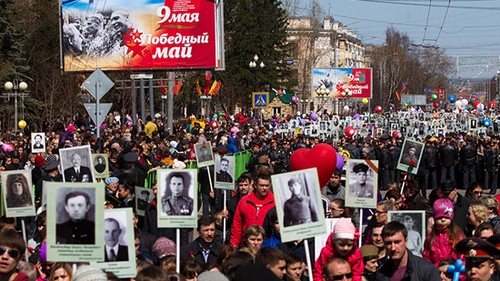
[340, 162]
[456, 269]
[349, 131]
[294, 100]
[480, 107]
[21, 124]
[365, 101]
[465, 102]
[273, 122]
[436, 104]
[492, 104]
[487, 123]
[357, 116]
[458, 104]
[322, 156]
[378, 109]
[476, 103]
[452, 99]
[7, 147]
[314, 116]
[214, 124]
[434, 97]
[395, 134]
[346, 108]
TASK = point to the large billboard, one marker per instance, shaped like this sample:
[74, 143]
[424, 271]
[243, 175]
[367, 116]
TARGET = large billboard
[141, 34]
[342, 82]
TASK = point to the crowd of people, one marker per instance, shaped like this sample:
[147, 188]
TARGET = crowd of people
[240, 239]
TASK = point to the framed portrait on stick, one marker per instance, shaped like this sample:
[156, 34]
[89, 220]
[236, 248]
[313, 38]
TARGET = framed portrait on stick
[361, 186]
[177, 198]
[17, 193]
[298, 204]
[204, 154]
[75, 216]
[414, 221]
[411, 154]
[38, 144]
[119, 252]
[224, 172]
[100, 165]
[76, 163]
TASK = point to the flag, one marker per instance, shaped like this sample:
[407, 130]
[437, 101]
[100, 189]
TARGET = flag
[206, 85]
[177, 87]
[215, 87]
[198, 89]
[403, 87]
[398, 96]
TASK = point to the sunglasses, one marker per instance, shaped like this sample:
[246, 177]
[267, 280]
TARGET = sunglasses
[341, 277]
[13, 253]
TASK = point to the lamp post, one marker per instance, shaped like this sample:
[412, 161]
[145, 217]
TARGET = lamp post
[253, 67]
[16, 86]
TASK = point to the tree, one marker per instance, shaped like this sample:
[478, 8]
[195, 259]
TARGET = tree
[249, 33]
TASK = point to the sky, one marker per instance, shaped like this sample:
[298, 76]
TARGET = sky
[463, 28]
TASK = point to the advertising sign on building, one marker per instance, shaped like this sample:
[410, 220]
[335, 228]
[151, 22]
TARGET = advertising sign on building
[141, 34]
[342, 82]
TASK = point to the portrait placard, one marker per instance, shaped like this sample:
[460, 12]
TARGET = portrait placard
[204, 154]
[17, 193]
[75, 163]
[38, 142]
[74, 222]
[414, 221]
[177, 198]
[119, 250]
[100, 165]
[409, 159]
[361, 185]
[298, 204]
[143, 196]
[224, 172]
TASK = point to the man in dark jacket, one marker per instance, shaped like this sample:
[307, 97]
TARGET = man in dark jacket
[460, 203]
[431, 154]
[468, 157]
[401, 263]
[449, 157]
[204, 249]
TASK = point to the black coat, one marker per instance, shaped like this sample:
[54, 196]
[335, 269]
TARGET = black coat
[194, 250]
[417, 269]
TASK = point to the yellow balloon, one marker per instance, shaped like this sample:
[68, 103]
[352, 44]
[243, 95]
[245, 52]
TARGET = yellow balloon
[21, 124]
[365, 101]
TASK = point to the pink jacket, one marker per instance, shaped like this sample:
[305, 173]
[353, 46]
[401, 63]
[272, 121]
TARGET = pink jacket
[249, 211]
[441, 247]
[355, 260]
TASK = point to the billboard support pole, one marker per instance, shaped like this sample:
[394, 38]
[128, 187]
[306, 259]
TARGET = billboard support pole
[143, 101]
[97, 125]
[170, 103]
[151, 99]
[134, 103]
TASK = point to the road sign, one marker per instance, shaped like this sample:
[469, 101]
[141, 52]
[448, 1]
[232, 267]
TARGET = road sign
[98, 84]
[260, 99]
[103, 112]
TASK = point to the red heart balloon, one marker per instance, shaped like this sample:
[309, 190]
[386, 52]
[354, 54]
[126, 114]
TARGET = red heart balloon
[322, 156]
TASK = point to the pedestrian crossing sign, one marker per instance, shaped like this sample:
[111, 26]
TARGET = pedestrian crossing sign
[260, 99]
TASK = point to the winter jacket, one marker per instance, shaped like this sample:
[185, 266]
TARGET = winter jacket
[417, 269]
[194, 251]
[441, 247]
[449, 155]
[249, 211]
[231, 145]
[355, 260]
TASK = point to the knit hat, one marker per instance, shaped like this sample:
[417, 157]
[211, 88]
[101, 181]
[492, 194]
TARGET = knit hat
[173, 144]
[343, 229]
[39, 161]
[369, 251]
[163, 247]
[442, 208]
[111, 180]
[51, 162]
[89, 273]
[212, 276]
[70, 128]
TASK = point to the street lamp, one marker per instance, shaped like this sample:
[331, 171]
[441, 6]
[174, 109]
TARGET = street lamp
[15, 85]
[253, 66]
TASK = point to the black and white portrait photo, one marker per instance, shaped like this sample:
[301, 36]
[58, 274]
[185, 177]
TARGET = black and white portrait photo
[361, 185]
[37, 142]
[298, 201]
[224, 171]
[100, 165]
[411, 154]
[177, 196]
[204, 154]
[76, 163]
[17, 193]
[143, 197]
[76, 218]
[414, 221]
